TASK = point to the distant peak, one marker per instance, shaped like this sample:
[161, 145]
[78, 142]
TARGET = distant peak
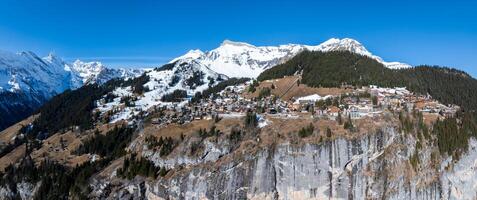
[337, 41]
[93, 65]
[192, 54]
[350, 40]
[352, 45]
[331, 41]
[51, 57]
[77, 61]
[232, 43]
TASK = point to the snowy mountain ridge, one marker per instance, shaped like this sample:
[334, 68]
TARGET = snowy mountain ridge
[27, 81]
[27, 72]
[32, 80]
[188, 76]
[96, 72]
[239, 59]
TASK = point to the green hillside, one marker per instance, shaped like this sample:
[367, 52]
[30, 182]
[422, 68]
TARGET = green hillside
[331, 69]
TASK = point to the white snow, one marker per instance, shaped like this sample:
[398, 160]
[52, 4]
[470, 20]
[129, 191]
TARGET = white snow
[239, 59]
[160, 84]
[192, 54]
[395, 90]
[96, 72]
[263, 123]
[45, 77]
[313, 97]
[348, 44]
[27, 72]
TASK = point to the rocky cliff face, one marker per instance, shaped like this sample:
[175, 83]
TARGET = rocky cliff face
[375, 166]
[340, 169]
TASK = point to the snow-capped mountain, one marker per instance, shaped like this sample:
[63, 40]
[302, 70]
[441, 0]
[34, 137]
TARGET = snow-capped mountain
[25, 71]
[354, 46]
[238, 59]
[96, 72]
[184, 74]
[27, 81]
[196, 70]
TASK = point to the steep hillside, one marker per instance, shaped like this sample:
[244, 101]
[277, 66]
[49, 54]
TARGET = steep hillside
[27, 81]
[332, 69]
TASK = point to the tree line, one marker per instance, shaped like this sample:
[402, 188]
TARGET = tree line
[332, 69]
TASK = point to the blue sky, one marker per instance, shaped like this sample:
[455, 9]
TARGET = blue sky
[148, 33]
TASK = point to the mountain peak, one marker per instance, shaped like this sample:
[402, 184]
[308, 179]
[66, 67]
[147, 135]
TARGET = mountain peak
[239, 59]
[233, 43]
[341, 41]
[352, 45]
[52, 58]
[192, 54]
[95, 65]
[345, 44]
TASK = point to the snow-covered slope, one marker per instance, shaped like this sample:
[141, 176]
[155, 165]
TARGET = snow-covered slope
[354, 46]
[26, 72]
[27, 81]
[238, 59]
[96, 72]
[184, 74]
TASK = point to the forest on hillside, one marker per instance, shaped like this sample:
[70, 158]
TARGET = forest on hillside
[332, 69]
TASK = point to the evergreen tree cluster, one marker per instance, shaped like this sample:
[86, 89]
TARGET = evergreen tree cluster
[453, 134]
[195, 80]
[175, 96]
[128, 101]
[264, 92]
[164, 145]
[168, 66]
[251, 120]
[70, 108]
[175, 79]
[57, 181]
[253, 87]
[109, 97]
[112, 144]
[329, 133]
[236, 135]
[203, 133]
[133, 166]
[407, 124]
[348, 124]
[306, 131]
[167, 146]
[332, 69]
[213, 91]
[137, 84]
